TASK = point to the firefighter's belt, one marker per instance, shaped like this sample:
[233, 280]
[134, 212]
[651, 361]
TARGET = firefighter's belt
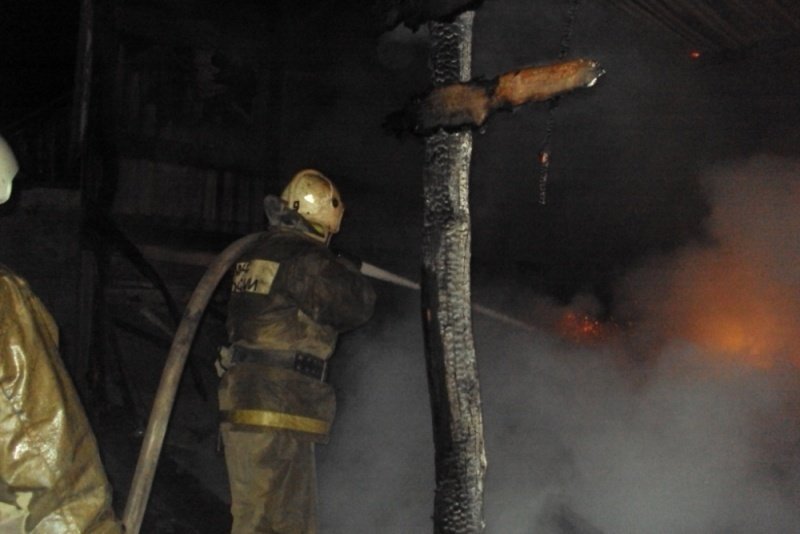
[297, 361]
[275, 420]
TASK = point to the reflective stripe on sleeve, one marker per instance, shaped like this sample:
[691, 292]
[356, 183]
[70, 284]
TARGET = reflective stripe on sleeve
[275, 420]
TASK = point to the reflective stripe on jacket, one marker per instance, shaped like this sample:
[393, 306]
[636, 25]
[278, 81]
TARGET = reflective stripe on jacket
[256, 397]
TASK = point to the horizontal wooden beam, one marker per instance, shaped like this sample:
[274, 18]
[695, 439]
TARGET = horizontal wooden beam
[470, 104]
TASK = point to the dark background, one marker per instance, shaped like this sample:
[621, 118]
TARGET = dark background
[260, 91]
[199, 108]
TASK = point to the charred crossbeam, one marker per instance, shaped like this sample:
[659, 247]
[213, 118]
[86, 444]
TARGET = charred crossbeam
[470, 104]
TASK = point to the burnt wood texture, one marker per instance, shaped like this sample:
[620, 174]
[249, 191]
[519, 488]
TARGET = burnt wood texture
[450, 353]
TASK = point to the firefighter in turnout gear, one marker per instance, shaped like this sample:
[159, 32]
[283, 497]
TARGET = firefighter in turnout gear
[291, 297]
[51, 477]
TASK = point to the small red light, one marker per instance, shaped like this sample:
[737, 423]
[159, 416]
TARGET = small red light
[695, 54]
[544, 158]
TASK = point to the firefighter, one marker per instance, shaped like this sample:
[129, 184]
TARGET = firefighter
[51, 477]
[290, 299]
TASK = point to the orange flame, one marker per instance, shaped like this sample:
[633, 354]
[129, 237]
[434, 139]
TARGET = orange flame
[734, 311]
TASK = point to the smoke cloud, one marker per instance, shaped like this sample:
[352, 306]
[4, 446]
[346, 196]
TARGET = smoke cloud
[736, 294]
[684, 420]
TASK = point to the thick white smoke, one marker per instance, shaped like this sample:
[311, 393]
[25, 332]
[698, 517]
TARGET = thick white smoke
[687, 422]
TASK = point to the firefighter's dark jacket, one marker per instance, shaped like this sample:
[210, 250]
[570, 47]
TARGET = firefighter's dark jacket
[290, 294]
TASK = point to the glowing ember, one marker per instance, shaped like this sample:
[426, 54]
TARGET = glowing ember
[695, 54]
[583, 328]
[544, 157]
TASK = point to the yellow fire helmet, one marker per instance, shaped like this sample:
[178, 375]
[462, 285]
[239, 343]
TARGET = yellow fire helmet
[8, 169]
[311, 194]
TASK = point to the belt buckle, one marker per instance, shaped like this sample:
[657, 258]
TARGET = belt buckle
[309, 365]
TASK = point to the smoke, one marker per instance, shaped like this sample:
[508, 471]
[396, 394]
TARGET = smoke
[685, 421]
[376, 474]
[736, 295]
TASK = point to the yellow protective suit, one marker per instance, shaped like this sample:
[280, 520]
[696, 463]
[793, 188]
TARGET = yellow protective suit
[51, 477]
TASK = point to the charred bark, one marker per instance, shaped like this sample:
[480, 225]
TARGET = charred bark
[450, 353]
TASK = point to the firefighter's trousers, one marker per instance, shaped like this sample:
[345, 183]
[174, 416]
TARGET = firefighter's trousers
[272, 480]
[271, 419]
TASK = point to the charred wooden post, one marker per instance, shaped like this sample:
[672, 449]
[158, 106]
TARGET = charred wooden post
[450, 352]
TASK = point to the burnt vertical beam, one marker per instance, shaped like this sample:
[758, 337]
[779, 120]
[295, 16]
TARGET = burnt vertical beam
[450, 353]
[97, 162]
[81, 86]
[76, 165]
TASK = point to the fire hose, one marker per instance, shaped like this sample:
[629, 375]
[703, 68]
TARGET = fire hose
[176, 360]
[170, 379]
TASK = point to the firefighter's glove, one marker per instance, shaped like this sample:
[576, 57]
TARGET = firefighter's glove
[224, 360]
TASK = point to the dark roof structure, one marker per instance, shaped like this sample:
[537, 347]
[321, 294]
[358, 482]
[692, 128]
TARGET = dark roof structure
[725, 30]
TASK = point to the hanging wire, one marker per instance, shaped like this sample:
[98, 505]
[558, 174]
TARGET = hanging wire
[546, 146]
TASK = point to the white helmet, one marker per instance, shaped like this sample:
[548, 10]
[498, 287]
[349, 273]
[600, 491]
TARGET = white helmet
[8, 169]
[311, 194]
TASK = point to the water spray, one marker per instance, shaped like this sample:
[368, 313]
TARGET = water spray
[373, 271]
